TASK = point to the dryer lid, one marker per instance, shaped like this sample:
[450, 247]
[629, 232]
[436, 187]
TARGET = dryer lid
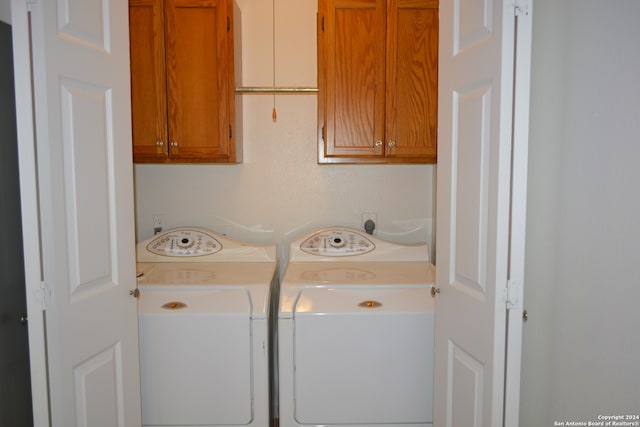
[253, 279]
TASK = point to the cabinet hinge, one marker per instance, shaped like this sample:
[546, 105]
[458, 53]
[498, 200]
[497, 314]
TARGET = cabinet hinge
[230, 132]
[30, 4]
[323, 24]
[228, 24]
[44, 295]
[521, 7]
[514, 294]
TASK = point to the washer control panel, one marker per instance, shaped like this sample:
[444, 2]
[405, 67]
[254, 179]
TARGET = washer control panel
[184, 243]
[337, 242]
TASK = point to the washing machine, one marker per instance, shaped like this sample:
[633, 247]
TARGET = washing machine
[204, 309]
[355, 332]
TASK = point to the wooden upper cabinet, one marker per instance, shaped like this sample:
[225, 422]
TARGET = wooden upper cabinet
[182, 81]
[377, 81]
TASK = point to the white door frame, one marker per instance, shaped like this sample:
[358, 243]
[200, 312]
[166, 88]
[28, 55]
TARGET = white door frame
[30, 209]
[520, 151]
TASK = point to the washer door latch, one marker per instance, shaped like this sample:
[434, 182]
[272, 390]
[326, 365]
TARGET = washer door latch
[370, 304]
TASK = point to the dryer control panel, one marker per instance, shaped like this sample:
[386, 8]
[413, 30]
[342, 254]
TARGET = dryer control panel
[184, 243]
[337, 243]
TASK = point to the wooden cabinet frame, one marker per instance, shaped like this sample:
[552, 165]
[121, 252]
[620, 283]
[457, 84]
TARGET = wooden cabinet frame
[182, 77]
[377, 81]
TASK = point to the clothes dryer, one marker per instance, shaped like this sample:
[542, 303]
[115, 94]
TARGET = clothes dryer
[204, 310]
[355, 332]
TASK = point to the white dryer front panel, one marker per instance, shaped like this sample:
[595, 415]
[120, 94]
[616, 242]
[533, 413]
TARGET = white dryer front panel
[195, 349]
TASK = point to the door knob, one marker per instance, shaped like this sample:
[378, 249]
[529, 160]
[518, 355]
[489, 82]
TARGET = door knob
[135, 293]
[434, 291]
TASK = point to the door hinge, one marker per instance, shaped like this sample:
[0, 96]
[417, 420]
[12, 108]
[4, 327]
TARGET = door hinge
[228, 24]
[230, 132]
[323, 24]
[30, 4]
[514, 294]
[44, 294]
[521, 7]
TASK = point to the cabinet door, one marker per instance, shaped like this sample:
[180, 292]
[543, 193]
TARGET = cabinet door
[351, 79]
[412, 80]
[148, 79]
[199, 55]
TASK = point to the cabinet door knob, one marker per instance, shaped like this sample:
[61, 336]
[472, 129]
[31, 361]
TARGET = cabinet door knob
[392, 143]
[174, 143]
[378, 144]
[159, 143]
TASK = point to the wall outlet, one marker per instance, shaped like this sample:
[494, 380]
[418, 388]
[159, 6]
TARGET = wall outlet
[369, 216]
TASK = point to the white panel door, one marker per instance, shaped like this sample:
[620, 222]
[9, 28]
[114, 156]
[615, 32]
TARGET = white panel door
[83, 130]
[474, 210]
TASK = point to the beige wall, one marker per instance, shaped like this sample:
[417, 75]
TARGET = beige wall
[280, 192]
[581, 345]
[5, 11]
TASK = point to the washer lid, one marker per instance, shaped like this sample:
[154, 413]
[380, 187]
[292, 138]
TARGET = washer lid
[360, 300]
[374, 277]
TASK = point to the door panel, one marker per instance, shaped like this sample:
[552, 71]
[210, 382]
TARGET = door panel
[355, 78]
[412, 79]
[473, 206]
[197, 38]
[83, 127]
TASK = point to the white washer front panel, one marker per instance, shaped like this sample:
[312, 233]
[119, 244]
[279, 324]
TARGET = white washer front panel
[367, 369]
[356, 332]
